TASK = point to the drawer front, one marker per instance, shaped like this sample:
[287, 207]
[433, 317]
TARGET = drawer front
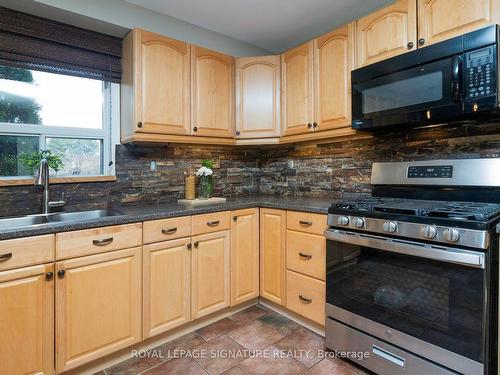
[97, 240]
[208, 223]
[306, 253]
[166, 229]
[306, 296]
[306, 222]
[26, 251]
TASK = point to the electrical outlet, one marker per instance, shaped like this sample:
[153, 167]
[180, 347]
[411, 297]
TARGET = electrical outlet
[154, 167]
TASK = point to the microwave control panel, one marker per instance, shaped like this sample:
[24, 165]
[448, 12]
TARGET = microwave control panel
[480, 73]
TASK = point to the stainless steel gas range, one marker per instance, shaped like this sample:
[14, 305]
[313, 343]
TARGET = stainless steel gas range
[412, 271]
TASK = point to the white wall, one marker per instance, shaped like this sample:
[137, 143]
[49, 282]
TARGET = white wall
[126, 15]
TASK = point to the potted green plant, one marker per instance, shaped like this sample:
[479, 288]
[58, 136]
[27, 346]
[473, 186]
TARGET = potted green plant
[205, 173]
[32, 160]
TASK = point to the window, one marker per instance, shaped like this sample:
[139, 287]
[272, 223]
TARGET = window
[71, 116]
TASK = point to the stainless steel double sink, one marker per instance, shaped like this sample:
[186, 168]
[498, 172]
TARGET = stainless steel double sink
[58, 217]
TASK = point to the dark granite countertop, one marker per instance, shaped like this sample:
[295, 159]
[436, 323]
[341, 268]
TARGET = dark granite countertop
[135, 213]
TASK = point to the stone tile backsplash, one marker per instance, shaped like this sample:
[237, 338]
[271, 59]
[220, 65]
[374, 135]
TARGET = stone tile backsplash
[328, 169]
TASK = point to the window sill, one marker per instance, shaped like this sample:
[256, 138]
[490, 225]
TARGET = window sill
[23, 181]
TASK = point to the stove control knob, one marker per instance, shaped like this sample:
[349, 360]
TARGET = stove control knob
[343, 220]
[390, 226]
[429, 232]
[359, 222]
[451, 235]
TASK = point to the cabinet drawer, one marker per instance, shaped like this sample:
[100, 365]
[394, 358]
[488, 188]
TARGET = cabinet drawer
[306, 253]
[208, 223]
[306, 296]
[306, 222]
[97, 240]
[26, 251]
[166, 229]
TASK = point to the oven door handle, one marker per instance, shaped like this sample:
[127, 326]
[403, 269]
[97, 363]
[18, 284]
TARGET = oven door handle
[445, 254]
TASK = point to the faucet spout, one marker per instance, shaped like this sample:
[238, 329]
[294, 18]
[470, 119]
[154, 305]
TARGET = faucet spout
[42, 179]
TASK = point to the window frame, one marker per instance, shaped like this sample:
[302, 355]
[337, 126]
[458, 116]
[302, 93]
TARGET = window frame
[109, 135]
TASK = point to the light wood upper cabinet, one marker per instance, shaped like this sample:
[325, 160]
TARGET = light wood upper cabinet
[333, 62]
[210, 273]
[443, 19]
[272, 254]
[297, 89]
[27, 321]
[387, 32]
[156, 84]
[98, 306]
[244, 255]
[212, 93]
[167, 285]
[258, 97]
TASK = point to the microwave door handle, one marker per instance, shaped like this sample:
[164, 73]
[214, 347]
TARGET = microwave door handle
[456, 70]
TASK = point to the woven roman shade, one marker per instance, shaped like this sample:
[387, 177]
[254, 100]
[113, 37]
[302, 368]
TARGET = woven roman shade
[32, 42]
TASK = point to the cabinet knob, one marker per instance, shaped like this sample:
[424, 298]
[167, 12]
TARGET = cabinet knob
[195, 129]
[235, 218]
[421, 41]
[410, 45]
[238, 132]
[309, 125]
[196, 244]
[189, 246]
[61, 273]
[49, 276]
[139, 124]
[315, 125]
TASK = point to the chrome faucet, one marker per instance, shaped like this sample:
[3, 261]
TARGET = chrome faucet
[42, 179]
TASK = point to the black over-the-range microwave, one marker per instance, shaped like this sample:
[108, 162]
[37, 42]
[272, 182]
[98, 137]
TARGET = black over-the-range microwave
[449, 81]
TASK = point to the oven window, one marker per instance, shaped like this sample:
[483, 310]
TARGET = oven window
[403, 93]
[438, 302]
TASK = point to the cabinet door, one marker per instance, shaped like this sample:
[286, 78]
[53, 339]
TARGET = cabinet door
[333, 62]
[167, 285]
[443, 19]
[258, 97]
[272, 254]
[210, 273]
[213, 93]
[98, 306]
[297, 86]
[244, 255]
[163, 84]
[387, 32]
[27, 321]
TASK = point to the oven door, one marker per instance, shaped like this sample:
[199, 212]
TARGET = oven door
[426, 93]
[427, 299]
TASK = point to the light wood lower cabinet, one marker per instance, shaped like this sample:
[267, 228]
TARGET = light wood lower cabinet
[244, 255]
[306, 296]
[210, 273]
[98, 306]
[166, 285]
[27, 321]
[272, 254]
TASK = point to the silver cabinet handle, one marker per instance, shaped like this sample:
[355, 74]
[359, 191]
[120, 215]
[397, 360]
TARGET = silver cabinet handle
[169, 231]
[305, 256]
[103, 242]
[4, 257]
[396, 359]
[305, 299]
[305, 223]
[213, 223]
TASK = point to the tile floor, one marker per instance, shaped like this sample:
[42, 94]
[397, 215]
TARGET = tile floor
[258, 330]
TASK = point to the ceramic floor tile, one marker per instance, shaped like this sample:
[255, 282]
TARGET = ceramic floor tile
[255, 335]
[251, 313]
[273, 363]
[280, 323]
[220, 327]
[350, 366]
[168, 350]
[307, 346]
[326, 367]
[134, 366]
[220, 354]
[180, 366]
[234, 371]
